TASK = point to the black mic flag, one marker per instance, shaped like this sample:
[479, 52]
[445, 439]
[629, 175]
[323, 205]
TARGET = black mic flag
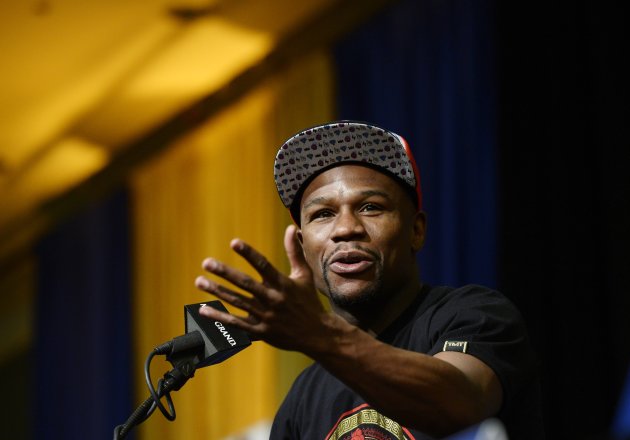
[220, 340]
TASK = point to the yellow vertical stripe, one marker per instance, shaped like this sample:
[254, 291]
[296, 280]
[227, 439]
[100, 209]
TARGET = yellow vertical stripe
[214, 184]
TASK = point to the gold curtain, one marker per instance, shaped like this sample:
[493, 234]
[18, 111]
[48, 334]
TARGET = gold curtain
[212, 185]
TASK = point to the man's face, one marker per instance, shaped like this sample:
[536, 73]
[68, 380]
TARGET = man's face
[359, 233]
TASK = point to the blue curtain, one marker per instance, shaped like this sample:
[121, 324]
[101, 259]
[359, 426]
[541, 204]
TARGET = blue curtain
[621, 421]
[425, 69]
[82, 344]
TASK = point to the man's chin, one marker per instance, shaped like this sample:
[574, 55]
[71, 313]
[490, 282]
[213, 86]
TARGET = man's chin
[353, 290]
[349, 298]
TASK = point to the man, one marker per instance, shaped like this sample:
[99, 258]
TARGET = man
[395, 358]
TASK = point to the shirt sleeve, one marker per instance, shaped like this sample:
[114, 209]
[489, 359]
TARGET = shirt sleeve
[284, 423]
[485, 324]
[281, 427]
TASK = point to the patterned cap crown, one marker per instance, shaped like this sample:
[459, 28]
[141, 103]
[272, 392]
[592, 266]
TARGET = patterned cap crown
[315, 149]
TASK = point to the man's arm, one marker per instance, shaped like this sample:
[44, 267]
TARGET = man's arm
[437, 394]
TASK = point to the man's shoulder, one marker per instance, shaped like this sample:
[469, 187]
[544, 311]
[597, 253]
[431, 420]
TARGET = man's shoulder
[470, 295]
[446, 307]
[465, 291]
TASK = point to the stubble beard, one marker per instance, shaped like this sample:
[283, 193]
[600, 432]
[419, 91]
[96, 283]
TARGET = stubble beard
[369, 296]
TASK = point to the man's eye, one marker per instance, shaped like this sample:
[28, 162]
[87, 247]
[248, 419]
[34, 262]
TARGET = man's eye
[323, 213]
[370, 207]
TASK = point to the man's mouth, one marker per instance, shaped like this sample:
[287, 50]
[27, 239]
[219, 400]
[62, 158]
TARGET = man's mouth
[350, 262]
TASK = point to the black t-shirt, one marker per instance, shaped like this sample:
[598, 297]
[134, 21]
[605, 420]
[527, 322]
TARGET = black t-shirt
[472, 319]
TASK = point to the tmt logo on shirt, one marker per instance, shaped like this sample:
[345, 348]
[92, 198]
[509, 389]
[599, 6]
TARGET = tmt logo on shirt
[460, 346]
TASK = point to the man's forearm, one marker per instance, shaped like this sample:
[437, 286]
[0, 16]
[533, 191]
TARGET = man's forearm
[416, 390]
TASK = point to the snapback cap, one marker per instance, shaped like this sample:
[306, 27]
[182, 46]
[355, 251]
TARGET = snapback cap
[319, 148]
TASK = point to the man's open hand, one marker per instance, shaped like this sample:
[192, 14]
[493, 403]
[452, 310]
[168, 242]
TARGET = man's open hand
[282, 310]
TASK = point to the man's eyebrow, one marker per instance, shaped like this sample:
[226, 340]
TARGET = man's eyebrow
[367, 193]
[375, 192]
[316, 201]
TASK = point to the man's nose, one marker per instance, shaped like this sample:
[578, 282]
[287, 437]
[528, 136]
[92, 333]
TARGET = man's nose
[348, 226]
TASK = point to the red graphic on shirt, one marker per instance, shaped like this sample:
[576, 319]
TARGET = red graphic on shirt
[357, 435]
[365, 423]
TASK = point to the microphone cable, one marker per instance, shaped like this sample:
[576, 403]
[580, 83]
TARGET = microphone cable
[184, 353]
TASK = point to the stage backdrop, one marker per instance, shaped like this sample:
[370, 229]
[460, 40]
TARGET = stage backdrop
[423, 69]
[426, 69]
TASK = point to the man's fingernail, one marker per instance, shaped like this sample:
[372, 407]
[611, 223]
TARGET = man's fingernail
[202, 282]
[211, 264]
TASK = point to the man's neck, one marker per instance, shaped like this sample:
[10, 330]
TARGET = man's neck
[376, 316]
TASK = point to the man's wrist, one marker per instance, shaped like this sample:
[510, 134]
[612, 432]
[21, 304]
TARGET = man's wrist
[338, 340]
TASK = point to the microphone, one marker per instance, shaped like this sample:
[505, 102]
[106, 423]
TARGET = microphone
[205, 342]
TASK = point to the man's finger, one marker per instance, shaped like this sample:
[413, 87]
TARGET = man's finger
[257, 260]
[236, 277]
[247, 304]
[226, 318]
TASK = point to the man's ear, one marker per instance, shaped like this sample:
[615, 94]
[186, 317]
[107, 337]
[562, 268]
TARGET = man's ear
[300, 238]
[419, 230]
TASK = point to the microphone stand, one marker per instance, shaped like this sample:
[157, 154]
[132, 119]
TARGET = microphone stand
[184, 362]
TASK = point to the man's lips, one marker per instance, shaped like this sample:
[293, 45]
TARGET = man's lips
[349, 262]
